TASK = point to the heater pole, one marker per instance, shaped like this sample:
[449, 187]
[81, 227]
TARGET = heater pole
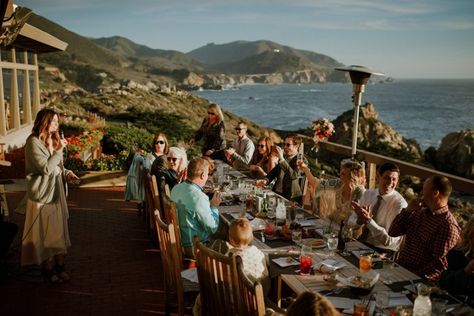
[358, 89]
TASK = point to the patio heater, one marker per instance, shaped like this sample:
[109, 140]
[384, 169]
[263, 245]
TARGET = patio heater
[359, 76]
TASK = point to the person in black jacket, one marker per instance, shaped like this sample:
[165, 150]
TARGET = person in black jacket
[458, 279]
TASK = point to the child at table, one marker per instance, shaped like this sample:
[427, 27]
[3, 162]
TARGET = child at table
[253, 259]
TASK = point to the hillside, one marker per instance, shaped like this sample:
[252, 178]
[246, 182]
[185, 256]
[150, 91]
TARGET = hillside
[244, 53]
[120, 59]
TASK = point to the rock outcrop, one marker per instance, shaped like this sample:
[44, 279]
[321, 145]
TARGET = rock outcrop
[374, 135]
[455, 154]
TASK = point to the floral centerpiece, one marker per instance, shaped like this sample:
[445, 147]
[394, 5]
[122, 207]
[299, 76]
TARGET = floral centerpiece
[323, 130]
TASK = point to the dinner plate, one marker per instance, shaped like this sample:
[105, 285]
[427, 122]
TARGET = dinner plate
[315, 243]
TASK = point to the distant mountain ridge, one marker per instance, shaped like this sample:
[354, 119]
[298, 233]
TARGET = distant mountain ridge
[119, 58]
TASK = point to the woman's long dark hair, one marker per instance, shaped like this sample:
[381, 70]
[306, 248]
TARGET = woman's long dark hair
[41, 127]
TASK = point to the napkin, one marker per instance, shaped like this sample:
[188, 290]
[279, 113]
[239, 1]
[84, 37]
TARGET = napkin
[286, 261]
[329, 265]
[190, 274]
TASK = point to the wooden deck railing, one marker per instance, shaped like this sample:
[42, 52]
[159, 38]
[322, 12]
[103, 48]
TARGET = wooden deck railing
[406, 168]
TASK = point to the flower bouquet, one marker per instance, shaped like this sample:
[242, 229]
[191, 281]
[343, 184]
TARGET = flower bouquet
[323, 130]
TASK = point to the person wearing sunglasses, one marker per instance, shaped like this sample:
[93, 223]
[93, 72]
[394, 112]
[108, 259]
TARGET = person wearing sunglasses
[175, 171]
[264, 159]
[289, 183]
[212, 131]
[240, 154]
[159, 149]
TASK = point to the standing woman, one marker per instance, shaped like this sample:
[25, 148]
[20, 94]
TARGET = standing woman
[46, 235]
[212, 130]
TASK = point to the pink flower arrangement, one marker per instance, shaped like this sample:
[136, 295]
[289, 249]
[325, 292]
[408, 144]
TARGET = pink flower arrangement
[323, 130]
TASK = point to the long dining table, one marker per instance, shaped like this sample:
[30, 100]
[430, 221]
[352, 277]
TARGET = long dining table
[398, 282]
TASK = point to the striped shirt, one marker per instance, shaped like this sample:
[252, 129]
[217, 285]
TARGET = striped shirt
[429, 235]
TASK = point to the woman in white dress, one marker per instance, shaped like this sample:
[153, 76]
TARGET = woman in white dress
[46, 236]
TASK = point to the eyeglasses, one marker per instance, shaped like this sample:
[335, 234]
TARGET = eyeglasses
[210, 113]
[288, 145]
[261, 145]
[173, 159]
[161, 142]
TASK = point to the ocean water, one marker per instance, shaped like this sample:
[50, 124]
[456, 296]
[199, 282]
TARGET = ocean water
[424, 110]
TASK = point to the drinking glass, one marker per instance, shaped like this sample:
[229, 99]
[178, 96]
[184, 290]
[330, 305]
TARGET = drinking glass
[381, 300]
[346, 236]
[365, 263]
[361, 310]
[332, 244]
[299, 217]
[269, 228]
[306, 260]
[297, 235]
[439, 306]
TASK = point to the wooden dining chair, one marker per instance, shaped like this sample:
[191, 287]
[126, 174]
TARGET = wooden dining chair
[175, 288]
[217, 280]
[171, 216]
[252, 300]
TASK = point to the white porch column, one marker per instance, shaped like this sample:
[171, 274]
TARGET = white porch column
[36, 89]
[14, 107]
[26, 92]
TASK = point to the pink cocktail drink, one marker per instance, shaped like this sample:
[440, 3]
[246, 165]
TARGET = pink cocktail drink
[306, 261]
[269, 229]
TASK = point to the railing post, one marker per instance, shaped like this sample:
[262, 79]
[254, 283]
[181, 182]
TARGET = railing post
[15, 107]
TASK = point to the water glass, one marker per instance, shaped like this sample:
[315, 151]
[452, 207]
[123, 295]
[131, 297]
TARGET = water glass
[299, 217]
[382, 299]
[306, 260]
[297, 236]
[332, 244]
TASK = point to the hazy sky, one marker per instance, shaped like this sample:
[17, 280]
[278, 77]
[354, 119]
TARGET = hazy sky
[402, 38]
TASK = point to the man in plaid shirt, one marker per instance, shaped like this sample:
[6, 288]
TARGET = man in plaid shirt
[430, 230]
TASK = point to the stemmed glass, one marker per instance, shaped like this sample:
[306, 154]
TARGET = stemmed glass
[346, 236]
[299, 156]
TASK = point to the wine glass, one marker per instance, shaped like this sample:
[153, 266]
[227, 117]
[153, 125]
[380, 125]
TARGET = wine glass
[346, 236]
[299, 156]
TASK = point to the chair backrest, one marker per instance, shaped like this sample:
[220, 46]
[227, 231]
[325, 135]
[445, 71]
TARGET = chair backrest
[169, 256]
[171, 215]
[149, 205]
[252, 300]
[217, 280]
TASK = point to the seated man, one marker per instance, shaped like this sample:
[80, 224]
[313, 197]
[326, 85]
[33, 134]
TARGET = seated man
[430, 230]
[289, 182]
[197, 215]
[241, 153]
[377, 209]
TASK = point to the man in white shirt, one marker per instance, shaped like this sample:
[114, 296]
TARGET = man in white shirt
[241, 153]
[378, 208]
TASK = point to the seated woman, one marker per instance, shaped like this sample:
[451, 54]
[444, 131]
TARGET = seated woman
[331, 198]
[159, 150]
[212, 130]
[264, 159]
[459, 278]
[175, 170]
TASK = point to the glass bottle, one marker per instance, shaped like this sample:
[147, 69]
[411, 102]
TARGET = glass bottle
[341, 244]
[422, 305]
